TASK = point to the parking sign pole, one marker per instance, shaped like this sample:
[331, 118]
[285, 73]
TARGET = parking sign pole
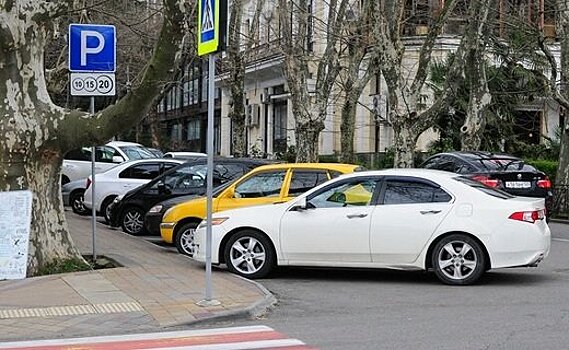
[93, 209]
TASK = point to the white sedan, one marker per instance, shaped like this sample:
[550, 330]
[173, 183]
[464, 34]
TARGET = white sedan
[123, 178]
[407, 219]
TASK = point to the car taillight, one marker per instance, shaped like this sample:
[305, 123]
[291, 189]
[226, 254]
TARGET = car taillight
[486, 180]
[528, 216]
[545, 183]
[88, 183]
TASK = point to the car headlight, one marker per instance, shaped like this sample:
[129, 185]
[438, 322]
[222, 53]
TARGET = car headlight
[214, 222]
[156, 209]
[118, 198]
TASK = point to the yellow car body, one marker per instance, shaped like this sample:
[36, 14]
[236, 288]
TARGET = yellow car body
[233, 196]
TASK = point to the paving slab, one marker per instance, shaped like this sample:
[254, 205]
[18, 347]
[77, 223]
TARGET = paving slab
[156, 289]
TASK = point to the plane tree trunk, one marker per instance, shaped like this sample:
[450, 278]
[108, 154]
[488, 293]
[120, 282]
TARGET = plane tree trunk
[36, 133]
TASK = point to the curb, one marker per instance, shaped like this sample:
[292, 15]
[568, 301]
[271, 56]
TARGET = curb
[258, 309]
[559, 221]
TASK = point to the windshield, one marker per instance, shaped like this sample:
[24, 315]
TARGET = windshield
[483, 188]
[137, 152]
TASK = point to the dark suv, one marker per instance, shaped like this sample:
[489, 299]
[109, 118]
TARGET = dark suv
[186, 179]
[497, 170]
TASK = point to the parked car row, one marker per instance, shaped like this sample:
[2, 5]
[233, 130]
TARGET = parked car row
[460, 220]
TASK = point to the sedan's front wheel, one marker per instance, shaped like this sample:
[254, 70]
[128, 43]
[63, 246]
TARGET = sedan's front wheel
[458, 260]
[250, 254]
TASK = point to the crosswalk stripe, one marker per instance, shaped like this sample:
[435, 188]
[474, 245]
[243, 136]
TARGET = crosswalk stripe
[233, 338]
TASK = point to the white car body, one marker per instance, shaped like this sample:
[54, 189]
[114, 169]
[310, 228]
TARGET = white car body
[184, 155]
[396, 236]
[75, 168]
[110, 184]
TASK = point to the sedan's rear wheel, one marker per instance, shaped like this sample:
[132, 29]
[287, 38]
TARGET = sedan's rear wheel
[185, 239]
[249, 254]
[133, 221]
[76, 202]
[458, 260]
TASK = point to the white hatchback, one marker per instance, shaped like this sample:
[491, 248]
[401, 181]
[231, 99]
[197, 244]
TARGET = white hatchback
[407, 219]
[123, 178]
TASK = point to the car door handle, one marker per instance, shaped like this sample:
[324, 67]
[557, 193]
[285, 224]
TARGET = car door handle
[424, 212]
[353, 216]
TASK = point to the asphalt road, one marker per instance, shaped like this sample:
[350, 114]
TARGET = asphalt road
[523, 308]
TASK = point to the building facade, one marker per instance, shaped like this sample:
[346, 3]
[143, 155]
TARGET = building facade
[269, 118]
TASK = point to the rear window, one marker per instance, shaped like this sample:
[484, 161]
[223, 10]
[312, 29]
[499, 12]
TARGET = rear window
[502, 164]
[137, 152]
[483, 188]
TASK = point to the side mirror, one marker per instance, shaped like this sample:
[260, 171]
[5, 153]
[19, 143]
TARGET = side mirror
[300, 205]
[118, 159]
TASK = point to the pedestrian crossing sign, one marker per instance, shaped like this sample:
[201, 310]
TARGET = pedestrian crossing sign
[208, 26]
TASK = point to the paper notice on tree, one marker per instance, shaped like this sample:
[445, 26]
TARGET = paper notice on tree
[15, 220]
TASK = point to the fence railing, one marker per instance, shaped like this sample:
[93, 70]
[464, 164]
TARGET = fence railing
[560, 206]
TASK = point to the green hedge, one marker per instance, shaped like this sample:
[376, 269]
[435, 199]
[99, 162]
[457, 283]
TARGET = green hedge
[549, 167]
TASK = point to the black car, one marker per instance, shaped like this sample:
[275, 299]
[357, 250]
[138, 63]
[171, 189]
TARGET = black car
[186, 179]
[154, 216]
[497, 170]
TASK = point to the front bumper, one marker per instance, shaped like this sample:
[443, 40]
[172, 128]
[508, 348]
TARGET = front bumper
[115, 209]
[217, 234]
[152, 223]
[167, 231]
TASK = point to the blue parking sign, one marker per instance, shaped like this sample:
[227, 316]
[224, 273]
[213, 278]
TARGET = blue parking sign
[92, 48]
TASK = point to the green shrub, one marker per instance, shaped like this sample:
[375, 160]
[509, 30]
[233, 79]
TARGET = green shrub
[64, 266]
[328, 158]
[549, 167]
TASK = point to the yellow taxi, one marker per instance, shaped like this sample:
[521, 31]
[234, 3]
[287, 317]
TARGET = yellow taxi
[266, 184]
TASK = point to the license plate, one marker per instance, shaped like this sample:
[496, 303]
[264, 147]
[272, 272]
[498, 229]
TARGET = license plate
[518, 184]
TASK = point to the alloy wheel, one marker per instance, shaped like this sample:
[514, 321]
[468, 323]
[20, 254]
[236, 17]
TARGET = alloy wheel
[247, 255]
[77, 204]
[133, 221]
[185, 239]
[457, 260]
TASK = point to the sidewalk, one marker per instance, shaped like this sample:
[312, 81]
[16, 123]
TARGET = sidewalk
[156, 289]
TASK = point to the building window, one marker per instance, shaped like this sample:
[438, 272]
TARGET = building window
[186, 93]
[194, 129]
[280, 112]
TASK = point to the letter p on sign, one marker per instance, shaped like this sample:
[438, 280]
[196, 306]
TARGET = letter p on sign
[85, 49]
[92, 48]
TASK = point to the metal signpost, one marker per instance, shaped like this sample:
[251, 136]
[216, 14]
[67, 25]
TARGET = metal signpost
[208, 44]
[92, 63]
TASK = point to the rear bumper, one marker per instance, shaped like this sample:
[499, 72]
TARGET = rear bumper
[526, 245]
[65, 198]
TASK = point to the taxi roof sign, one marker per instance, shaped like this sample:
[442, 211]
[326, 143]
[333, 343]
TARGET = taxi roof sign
[208, 26]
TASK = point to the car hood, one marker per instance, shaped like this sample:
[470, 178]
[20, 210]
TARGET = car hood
[169, 203]
[255, 211]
